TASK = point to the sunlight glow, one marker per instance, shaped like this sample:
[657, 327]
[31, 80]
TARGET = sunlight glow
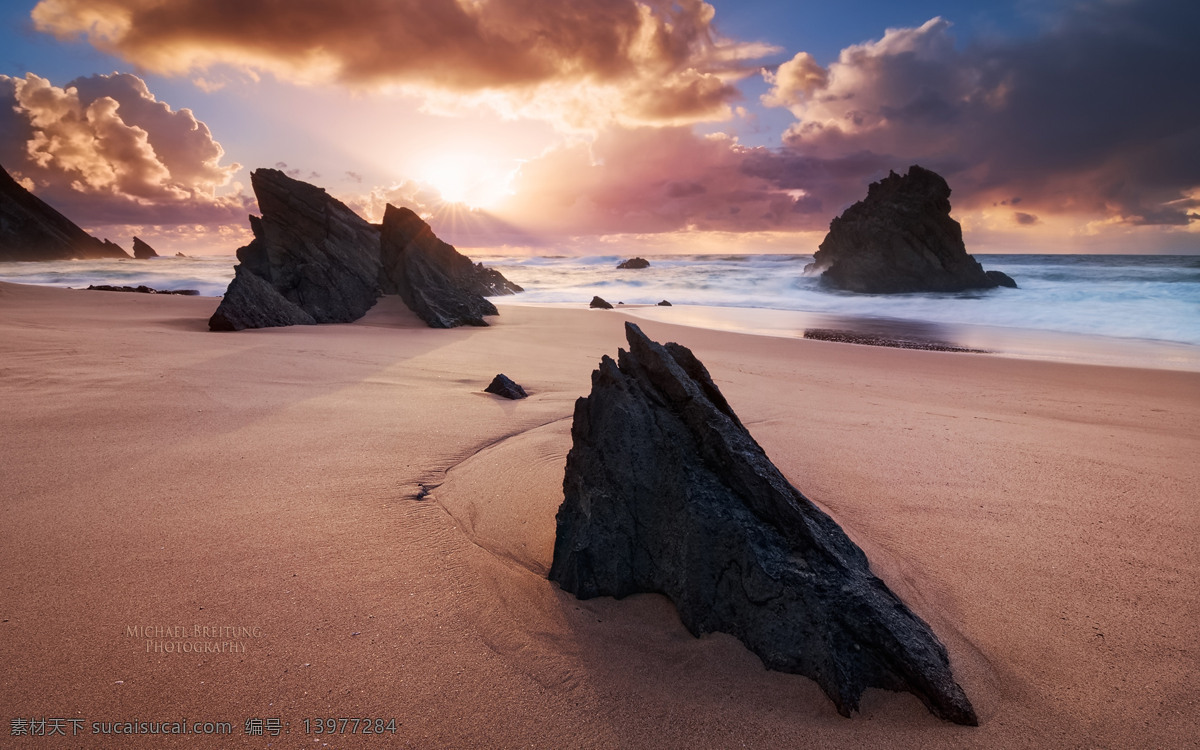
[469, 179]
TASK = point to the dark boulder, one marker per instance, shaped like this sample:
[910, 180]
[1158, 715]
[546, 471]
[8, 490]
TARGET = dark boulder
[900, 238]
[441, 285]
[141, 250]
[1001, 279]
[600, 304]
[664, 303]
[634, 263]
[502, 385]
[32, 230]
[665, 491]
[319, 259]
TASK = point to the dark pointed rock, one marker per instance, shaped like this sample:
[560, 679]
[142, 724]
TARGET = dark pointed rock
[32, 230]
[441, 285]
[664, 303]
[665, 491]
[600, 304]
[251, 302]
[141, 250]
[319, 259]
[634, 263]
[900, 238]
[502, 385]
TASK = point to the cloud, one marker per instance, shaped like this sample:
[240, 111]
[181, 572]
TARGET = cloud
[103, 149]
[1092, 117]
[654, 180]
[656, 60]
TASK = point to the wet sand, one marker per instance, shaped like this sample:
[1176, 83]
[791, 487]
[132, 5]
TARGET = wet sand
[1041, 516]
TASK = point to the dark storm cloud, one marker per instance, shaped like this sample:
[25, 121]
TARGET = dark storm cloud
[1093, 116]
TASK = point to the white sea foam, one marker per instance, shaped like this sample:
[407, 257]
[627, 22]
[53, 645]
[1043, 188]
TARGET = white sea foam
[210, 275]
[1144, 297]
[1132, 296]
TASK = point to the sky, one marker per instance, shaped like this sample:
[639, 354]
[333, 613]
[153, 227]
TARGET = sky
[611, 126]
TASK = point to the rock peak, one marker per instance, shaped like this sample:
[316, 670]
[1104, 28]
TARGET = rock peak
[665, 491]
[901, 238]
[33, 230]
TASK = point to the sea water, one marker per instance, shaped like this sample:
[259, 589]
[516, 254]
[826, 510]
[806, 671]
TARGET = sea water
[1144, 297]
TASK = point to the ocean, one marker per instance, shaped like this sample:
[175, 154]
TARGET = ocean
[1146, 299]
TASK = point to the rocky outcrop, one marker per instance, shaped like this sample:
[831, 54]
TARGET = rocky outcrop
[665, 491]
[313, 260]
[600, 304]
[318, 258]
[142, 289]
[901, 238]
[634, 263]
[441, 285]
[141, 250]
[664, 303]
[502, 385]
[31, 230]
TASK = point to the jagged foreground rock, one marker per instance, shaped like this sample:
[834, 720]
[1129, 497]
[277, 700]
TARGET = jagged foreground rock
[313, 260]
[665, 491]
[901, 238]
[32, 230]
[442, 286]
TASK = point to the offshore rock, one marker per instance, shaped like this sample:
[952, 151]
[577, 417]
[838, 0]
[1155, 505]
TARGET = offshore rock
[142, 289]
[141, 250]
[664, 303]
[441, 285]
[600, 303]
[32, 230]
[666, 491]
[901, 238]
[312, 260]
[502, 385]
[634, 263]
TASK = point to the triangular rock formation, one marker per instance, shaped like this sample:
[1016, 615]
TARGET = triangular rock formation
[901, 238]
[319, 260]
[441, 285]
[30, 229]
[665, 491]
[142, 250]
[313, 260]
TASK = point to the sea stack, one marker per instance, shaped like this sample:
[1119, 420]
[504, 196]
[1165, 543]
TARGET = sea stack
[665, 491]
[141, 250]
[901, 238]
[32, 230]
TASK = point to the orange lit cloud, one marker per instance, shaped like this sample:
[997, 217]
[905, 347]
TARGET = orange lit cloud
[104, 150]
[655, 61]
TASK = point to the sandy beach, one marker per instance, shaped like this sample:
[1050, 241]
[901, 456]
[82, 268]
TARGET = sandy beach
[368, 534]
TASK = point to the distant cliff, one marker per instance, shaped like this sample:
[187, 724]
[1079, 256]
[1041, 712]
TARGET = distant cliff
[30, 229]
